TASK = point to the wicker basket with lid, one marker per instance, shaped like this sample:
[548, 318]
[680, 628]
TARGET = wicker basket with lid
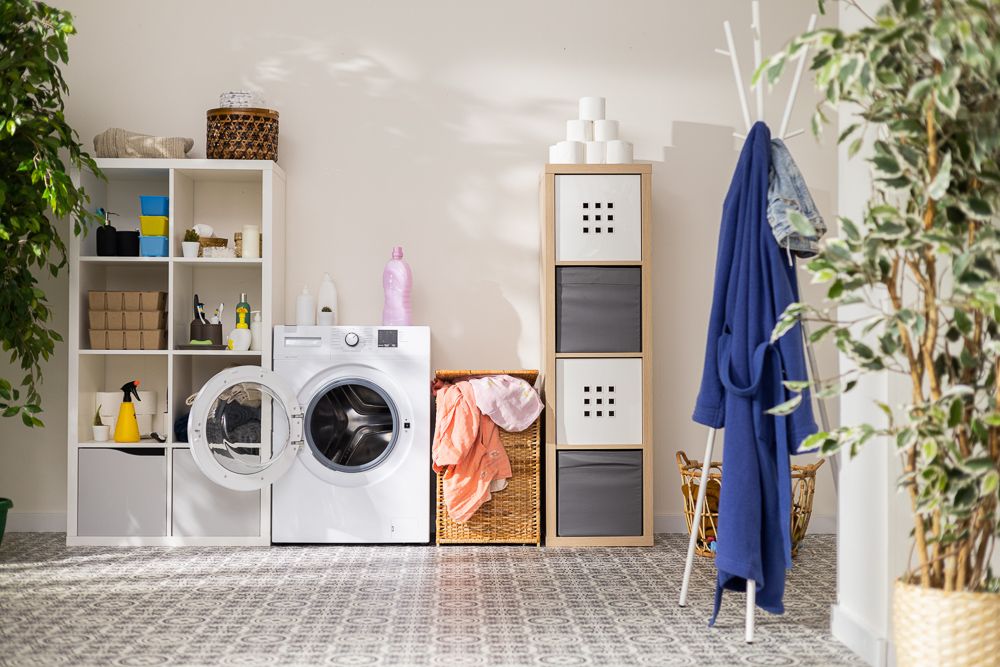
[242, 134]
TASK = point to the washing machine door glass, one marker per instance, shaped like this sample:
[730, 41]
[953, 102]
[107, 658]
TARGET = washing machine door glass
[245, 428]
[351, 425]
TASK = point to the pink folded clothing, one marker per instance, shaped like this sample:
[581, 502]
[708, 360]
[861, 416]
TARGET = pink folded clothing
[510, 402]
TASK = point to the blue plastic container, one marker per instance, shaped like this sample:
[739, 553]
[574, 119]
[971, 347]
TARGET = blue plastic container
[153, 246]
[154, 205]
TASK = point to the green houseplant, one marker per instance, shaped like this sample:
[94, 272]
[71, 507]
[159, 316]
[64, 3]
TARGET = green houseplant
[190, 244]
[914, 286]
[37, 150]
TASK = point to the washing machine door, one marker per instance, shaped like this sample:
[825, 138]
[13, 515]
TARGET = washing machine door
[245, 428]
[357, 424]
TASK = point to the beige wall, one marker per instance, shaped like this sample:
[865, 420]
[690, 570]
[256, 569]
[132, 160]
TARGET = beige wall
[426, 124]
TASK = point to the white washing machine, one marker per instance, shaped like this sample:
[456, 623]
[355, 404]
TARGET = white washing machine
[344, 434]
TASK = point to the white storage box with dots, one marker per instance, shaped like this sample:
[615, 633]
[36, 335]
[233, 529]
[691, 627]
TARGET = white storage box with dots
[599, 401]
[598, 217]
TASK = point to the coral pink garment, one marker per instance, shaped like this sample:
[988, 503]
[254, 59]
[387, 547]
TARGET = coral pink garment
[468, 450]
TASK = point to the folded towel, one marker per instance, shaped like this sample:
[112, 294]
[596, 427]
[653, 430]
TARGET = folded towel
[117, 142]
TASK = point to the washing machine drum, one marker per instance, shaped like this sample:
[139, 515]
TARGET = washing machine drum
[351, 425]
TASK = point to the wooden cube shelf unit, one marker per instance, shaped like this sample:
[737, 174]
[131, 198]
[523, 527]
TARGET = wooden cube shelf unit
[597, 349]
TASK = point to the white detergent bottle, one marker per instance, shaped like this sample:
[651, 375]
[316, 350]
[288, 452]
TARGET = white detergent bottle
[305, 308]
[397, 282]
[326, 302]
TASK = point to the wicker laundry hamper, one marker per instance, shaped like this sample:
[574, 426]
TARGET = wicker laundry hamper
[512, 516]
[242, 134]
[803, 490]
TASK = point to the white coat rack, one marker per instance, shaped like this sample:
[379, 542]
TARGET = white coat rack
[783, 134]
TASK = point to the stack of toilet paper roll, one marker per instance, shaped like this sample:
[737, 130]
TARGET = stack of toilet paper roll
[591, 138]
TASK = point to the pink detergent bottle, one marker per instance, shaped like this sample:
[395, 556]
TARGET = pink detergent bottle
[397, 281]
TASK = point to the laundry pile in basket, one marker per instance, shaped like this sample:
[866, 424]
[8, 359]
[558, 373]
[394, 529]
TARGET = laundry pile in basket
[467, 447]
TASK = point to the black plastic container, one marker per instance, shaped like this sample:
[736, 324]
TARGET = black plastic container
[127, 244]
[212, 332]
[107, 245]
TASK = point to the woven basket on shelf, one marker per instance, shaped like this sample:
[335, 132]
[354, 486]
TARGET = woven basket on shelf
[211, 242]
[945, 629]
[512, 516]
[242, 134]
[803, 490]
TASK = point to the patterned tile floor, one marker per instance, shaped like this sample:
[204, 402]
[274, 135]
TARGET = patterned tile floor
[393, 606]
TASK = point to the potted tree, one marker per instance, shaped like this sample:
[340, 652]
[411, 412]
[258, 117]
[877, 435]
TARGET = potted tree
[37, 150]
[920, 275]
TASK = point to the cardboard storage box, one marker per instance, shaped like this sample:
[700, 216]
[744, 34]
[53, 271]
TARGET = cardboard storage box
[116, 340]
[153, 319]
[133, 320]
[131, 301]
[155, 339]
[152, 301]
[98, 319]
[133, 340]
[115, 320]
[97, 301]
[98, 339]
[115, 300]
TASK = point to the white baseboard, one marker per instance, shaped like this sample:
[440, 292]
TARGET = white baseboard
[858, 637]
[36, 522]
[822, 524]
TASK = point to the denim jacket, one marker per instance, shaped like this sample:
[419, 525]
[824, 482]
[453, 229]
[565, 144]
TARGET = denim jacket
[787, 191]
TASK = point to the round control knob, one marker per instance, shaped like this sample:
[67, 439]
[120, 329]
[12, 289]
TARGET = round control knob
[352, 339]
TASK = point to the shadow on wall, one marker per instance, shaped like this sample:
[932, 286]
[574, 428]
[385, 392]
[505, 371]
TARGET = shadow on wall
[475, 274]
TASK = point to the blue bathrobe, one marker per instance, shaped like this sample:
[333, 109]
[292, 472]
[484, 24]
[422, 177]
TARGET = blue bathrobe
[742, 378]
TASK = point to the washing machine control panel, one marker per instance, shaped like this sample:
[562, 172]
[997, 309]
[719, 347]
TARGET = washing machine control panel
[303, 342]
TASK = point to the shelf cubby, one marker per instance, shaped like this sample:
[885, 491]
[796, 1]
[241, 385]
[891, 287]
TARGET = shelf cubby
[107, 373]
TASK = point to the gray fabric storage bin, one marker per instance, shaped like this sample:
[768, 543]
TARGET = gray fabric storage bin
[600, 493]
[598, 309]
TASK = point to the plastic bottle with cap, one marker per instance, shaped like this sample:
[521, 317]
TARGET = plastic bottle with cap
[326, 302]
[397, 283]
[305, 308]
[255, 329]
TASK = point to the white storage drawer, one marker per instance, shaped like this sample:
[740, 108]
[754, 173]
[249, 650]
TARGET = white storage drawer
[599, 401]
[203, 508]
[598, 217]
[122, 492]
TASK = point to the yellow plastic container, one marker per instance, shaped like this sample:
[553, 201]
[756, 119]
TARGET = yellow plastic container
[153, 225]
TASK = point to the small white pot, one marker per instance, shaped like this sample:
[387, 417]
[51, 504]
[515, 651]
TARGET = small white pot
[325, 319]
[102, 433]
[190, 249]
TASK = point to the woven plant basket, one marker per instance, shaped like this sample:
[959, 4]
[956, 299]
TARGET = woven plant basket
[211, 242]
[512, 516]
[803, 490]
[242, 134]
[935, 628]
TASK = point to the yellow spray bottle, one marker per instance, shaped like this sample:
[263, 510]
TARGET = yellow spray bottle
[127, 428]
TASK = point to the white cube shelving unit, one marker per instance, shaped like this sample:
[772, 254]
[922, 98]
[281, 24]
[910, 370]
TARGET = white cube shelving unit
[115, 492]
